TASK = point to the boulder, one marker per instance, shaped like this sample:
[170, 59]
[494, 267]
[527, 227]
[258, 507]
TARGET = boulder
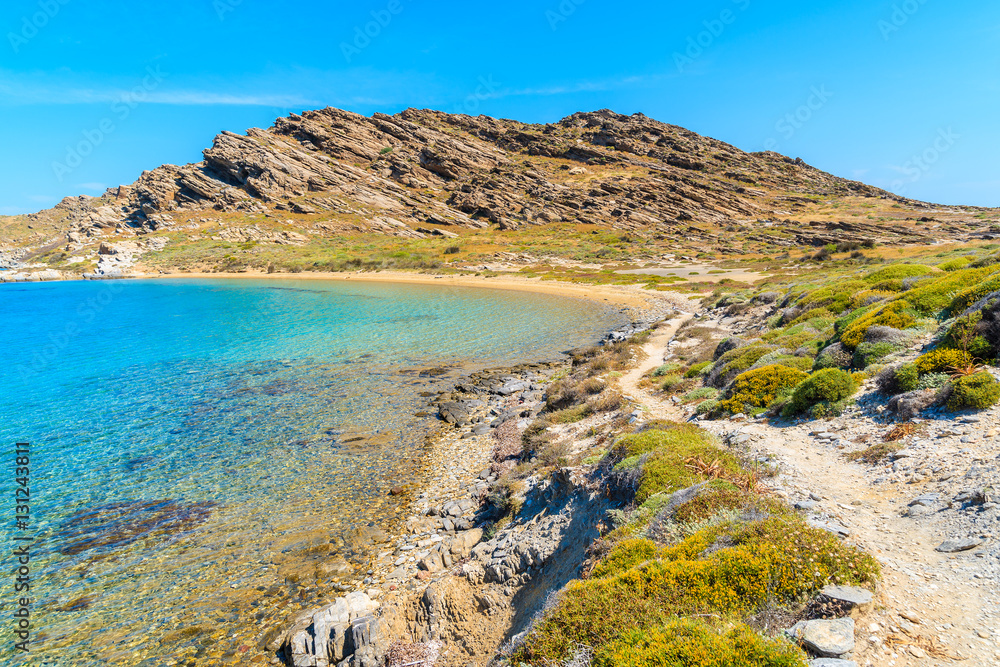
[825, 638]
[464, 541]
[432, 562]
[909, 405]
[454, 412]
[858, 600]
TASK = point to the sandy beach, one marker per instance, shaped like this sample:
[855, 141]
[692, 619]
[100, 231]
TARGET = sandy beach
[633, 296]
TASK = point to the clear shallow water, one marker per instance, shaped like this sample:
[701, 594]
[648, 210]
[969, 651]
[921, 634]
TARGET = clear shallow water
[199, 447]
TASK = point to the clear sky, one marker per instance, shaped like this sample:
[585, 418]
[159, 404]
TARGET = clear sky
[902, 94]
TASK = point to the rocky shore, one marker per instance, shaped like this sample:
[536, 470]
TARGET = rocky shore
[446, 535]
[458, 585]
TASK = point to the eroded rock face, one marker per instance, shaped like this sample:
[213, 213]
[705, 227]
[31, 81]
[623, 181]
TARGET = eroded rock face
[344, 633]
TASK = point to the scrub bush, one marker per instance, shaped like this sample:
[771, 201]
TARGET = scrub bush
[758, 388]
[942, 360]
[976, 392]
[823, 388]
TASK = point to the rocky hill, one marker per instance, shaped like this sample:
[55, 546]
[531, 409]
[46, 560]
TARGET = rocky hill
[421, 173]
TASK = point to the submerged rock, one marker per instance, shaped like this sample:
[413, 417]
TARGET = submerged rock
[118, 524]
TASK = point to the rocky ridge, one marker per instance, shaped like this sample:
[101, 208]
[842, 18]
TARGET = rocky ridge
[424, 173]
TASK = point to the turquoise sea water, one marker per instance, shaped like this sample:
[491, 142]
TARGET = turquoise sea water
[197, 445]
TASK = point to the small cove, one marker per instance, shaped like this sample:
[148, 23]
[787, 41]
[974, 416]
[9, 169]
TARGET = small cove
[202, 447]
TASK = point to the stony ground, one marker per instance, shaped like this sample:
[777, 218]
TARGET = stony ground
[927, 512]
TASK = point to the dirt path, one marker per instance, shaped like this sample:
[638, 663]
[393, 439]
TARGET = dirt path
[933, 608]
[653, 352]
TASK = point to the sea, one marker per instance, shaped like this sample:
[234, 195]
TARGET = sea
[195, 450]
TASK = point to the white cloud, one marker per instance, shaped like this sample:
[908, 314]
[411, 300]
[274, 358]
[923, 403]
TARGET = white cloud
[297, 89]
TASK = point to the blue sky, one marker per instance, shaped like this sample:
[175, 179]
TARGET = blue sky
[903, 95]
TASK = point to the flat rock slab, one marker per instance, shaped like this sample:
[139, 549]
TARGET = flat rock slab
[827, 639]
[926, 500]
[852, 594]
[956, 546]
[831, 527]
[859, 599]
[832, 662]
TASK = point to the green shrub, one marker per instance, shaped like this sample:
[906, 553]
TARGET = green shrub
[933, 381]
[707, 407]
[892, 286]
[697, 369]
[719, 496]
[867, 354]
[625, 555]
[896, 314]
[834, 298]
[822, 388]
[670, 447]
[665, 369]
[934, 296]
[907, 378]
[752, 564]
[734, 362]
[869, 296]
[897, 272]
[699, 394]
[571, 415]
[818, 315]
[955, 264]
[941, 360]
[758, 388]
[670, 381]
[976, 392]
[694, 642]
[852, 316]
[971, 295]
[833, 356]
[964, 335]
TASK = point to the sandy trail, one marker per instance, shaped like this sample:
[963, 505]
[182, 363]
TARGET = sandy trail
[652, 357]
[927, 598]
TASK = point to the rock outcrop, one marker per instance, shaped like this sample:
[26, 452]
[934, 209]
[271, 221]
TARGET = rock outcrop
[411, 174]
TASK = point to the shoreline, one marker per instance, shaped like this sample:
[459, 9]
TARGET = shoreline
[627, 295]
[631, 296]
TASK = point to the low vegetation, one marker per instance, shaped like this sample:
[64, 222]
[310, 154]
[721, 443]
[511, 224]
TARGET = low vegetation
[679, 581]
[823, 341]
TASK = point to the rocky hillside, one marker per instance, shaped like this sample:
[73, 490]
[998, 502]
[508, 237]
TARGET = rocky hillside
[421, 173]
